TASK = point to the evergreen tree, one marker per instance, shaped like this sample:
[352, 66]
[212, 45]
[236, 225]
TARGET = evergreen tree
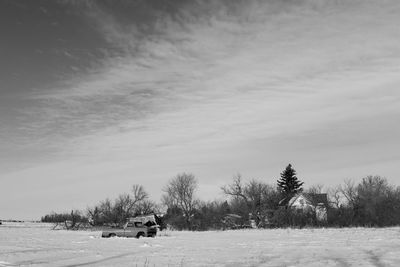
[289, 184]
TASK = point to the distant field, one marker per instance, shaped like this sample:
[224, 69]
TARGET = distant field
[36, 245]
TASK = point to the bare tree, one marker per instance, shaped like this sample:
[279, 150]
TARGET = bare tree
[123, 207]
[255, 195]
[315, 189]
[118, 211]
[146, 207]
[335, 196]
[179, 192]
[349, 191]
[75, 220]
[107, 211]
[139, 194]
[126, 204]
[236, 188]
[256, 192]
[373, 186]
[94, 215]
[376, 204]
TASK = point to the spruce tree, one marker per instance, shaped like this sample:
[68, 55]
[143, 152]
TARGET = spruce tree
[288, 183]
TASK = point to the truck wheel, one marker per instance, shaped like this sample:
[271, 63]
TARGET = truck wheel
[140, 234]
[112, 235]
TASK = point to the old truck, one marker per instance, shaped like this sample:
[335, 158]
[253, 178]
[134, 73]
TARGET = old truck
[132, 228]
[142, 226]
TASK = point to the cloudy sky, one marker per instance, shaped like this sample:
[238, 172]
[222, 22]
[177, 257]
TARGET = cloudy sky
[98, 95]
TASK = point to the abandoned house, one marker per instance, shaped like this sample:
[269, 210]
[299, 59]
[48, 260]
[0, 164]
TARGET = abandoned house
[309, 203]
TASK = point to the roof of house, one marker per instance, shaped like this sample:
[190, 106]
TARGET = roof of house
[313, 198]
[284, 201]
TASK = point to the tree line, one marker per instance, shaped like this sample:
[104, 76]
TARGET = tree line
[372, 202]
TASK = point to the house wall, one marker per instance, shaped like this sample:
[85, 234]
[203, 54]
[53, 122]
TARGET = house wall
[321, 213]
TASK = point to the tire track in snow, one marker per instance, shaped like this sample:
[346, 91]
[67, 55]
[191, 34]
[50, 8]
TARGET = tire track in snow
[100, 261]
[341, 262]
[375, 259]
[34, 250]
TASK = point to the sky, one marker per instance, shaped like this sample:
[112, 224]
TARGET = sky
[96, 96]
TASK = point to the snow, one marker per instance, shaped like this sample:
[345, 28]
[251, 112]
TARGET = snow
[38, 245]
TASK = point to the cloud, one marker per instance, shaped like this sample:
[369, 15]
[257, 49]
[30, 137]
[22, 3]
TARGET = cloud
[219, 87]
[255, 67]
[233, 72]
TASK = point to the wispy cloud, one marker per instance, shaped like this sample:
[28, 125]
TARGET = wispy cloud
[220, 87]
[246, 63]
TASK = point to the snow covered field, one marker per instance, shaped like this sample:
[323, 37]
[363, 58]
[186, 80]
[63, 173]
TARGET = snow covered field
[37, 245]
